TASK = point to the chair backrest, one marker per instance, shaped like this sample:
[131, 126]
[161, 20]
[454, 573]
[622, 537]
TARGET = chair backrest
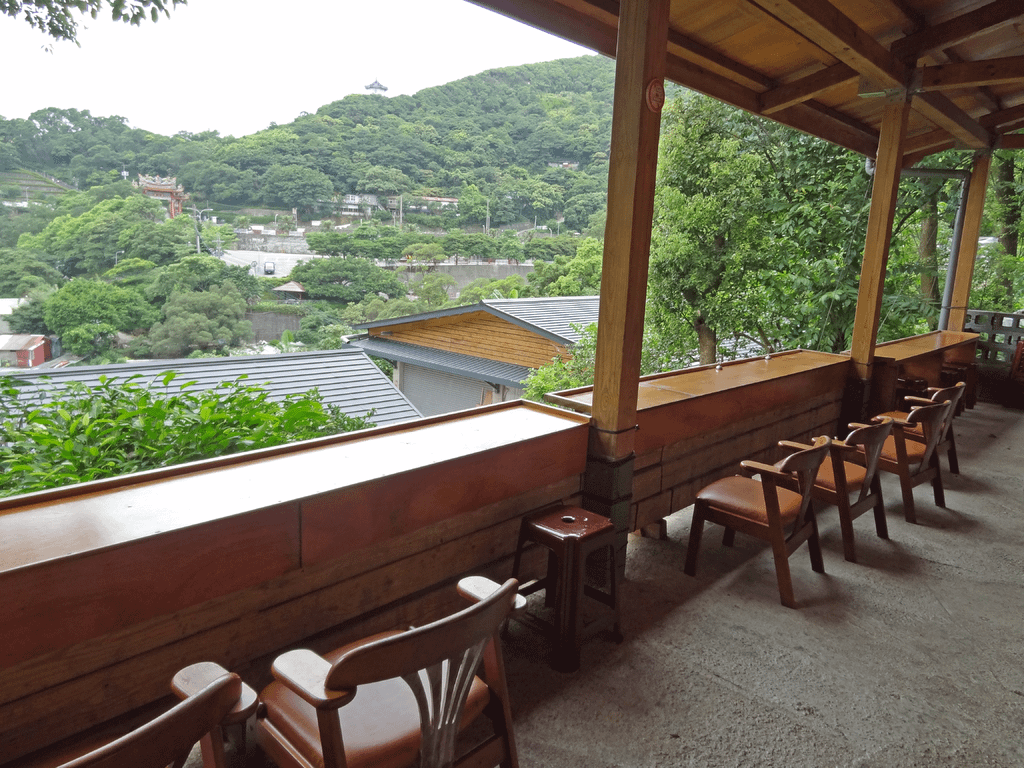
[932, 420]
[168, 739]
[871, 439]
[438, 661]
[804, 466]
[954, 394]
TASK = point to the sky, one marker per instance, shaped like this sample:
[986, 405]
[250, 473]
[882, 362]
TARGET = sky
[236, 66]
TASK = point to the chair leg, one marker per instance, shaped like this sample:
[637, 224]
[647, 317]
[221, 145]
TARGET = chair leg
[908, 496]
[954, 464]
[696, 531]
[728, 536]
[814, 544]
[937, 490]
[881, 525]
[785, 580]
[846, 526]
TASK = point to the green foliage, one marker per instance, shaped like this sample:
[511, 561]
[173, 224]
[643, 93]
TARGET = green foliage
[578, 275]
[86, 314]
[121, 427]
[206, 320]
[346, 280]
[56, 18]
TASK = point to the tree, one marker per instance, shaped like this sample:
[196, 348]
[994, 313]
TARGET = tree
[295, 186]
[579, 275]
[56, 18]
[25, 271]
[200, 320]
[346, 280]
[86, 314]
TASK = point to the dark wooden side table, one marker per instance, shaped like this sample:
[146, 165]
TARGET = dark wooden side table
[571, 535]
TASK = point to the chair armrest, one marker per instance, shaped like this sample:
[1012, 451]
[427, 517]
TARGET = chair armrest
[914, 400]
[477, 588]
[794, 445]
[195, 677]
[305, 672]
[761, 468]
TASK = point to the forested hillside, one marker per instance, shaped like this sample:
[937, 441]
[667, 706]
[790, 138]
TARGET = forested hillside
[490, 136]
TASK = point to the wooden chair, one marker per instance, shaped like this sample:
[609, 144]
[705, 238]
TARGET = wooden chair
[217, 698]
[838, 479]
[947, 443]
[916, 460]
[396, 698]
[765, 509]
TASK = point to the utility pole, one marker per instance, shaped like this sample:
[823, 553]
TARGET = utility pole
[487, 222]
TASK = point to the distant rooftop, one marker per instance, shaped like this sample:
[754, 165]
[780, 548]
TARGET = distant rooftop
[346, 378]
[376, 87]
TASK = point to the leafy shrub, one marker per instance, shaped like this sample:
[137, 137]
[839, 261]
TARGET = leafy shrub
[119, 427]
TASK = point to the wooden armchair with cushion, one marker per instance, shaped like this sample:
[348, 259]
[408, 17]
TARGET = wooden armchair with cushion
[766, 509]
[914, 459]
[838, 479]
[399, 698]
[947, 442]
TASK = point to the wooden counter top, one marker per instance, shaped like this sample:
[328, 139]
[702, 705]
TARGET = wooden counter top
[138, 507]
[927, 343]
[665, 388]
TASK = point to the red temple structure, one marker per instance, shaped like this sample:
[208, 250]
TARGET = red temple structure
[163, 188]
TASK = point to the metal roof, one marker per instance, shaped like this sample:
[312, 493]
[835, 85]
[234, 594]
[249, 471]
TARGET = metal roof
[447, 362]
[345, 377]
[828, 68]
[15, 342]
[550, 317]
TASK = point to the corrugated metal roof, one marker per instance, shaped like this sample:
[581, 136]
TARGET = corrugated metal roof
[556, 314]
[550, 317]
[449, 362]
[345, 377]
[15, 342]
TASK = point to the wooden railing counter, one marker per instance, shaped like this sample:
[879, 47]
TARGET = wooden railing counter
[138, 507]
[697, 424]
[110, 587]
[926, 344]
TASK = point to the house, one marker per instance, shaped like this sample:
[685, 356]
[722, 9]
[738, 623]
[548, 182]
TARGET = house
[23, 350]
[460, 358]
[345, 378]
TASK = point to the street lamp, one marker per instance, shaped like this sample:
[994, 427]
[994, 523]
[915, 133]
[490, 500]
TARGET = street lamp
[115, 257]
[199, 218]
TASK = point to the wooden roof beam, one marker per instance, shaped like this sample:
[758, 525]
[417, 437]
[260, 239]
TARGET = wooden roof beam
[832, 31]
[970, 74]
[806, 88]
[956, 30]
[998, 120]
[1012, 141]
[948, 116]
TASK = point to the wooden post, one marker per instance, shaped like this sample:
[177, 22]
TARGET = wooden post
[969, 242]
[636, 124]
[888, 164]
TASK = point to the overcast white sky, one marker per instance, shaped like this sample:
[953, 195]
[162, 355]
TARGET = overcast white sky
[235, 66]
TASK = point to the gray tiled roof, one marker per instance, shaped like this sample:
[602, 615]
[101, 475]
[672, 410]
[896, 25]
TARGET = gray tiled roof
[555, 315]
[345, 377]
[448, 362]
[551, 317]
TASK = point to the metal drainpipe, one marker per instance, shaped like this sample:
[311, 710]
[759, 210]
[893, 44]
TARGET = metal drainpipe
[958, 225]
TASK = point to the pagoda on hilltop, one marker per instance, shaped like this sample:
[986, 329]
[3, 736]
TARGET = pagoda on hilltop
[163, 188]
[376, 87]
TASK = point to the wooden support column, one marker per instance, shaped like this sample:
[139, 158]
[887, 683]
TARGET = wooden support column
[888, 163]
[636, 127]
[969, 242]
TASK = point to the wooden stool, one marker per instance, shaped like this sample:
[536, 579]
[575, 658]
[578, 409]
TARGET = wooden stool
[570, 534]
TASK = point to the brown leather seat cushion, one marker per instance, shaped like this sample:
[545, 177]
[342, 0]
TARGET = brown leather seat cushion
[915, 450]
[827, 477]
[745, 496]
[380, 727]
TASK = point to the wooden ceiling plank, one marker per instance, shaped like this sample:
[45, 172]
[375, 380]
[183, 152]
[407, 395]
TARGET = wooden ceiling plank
[926, 141]
[947, 115]
[806, 88]
[704, 54]
[599, 36]
[825, 26]
[972, 73]
[953, 31]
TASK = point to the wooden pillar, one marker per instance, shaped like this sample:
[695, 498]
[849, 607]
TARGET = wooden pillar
[636, 127]
[969, 242]
[888, 164]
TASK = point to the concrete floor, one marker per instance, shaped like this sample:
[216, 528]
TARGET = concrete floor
[912, 657]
